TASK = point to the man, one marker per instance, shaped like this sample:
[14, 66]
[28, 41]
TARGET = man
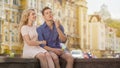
[53, 33]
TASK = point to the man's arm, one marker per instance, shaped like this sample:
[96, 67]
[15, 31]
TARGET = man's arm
[62, 36]
[60, 31]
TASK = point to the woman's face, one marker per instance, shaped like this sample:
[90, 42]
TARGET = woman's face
[32, 16]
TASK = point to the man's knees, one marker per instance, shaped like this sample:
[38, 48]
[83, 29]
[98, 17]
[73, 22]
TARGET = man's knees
[69, 58]
[55, 59]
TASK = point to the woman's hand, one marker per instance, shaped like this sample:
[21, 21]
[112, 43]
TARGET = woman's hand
[43, 42]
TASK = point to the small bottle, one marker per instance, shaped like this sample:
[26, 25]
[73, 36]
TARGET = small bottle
[62, 46]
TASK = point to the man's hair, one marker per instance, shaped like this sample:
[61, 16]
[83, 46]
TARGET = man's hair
[44, 10]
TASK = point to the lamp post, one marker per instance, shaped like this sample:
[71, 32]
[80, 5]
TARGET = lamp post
[0, 36]
[0, 31]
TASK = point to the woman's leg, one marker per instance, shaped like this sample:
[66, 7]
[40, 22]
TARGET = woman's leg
[42, 59]
[55, 59]
[50, 61]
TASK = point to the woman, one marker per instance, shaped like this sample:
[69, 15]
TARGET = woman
[29, 37]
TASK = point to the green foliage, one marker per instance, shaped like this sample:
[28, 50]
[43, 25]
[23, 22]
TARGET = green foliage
[115, 24]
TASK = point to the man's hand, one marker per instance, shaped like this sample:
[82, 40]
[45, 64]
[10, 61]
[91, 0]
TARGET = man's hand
[57, 51]
[57, 23]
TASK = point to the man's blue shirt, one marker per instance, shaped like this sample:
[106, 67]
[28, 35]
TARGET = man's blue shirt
[49, 35]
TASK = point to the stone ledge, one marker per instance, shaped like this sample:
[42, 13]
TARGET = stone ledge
[6, 62]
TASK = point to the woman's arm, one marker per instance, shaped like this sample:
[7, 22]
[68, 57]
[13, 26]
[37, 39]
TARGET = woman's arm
[31, 42]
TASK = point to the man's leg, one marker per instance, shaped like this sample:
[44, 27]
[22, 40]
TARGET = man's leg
[68, 57]
[55, 59]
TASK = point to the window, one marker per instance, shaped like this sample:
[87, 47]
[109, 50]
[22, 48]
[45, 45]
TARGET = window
[6, 35]
[0, 25]
[35, 3]
[84, 17]
[6, 38]
[0, 11]
[6, 1]
[18, 18]
[15, 2]
[60, 1]
[7, 16]
[18, 2]
[13, 17]
[84, 28]
[13, 40]
[59, 14]
[30, 3]
[16, 38]
[0, 38]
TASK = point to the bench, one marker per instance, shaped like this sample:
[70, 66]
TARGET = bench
[7, 62]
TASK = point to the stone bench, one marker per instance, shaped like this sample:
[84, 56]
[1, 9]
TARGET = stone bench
[6, 62]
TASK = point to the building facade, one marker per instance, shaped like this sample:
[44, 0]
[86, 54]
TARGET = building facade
[71, 13]
[10, 16]
[9, 20]
[83, 31]
[97, 35]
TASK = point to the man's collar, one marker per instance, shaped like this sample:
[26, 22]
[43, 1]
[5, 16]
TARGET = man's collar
[45, 25]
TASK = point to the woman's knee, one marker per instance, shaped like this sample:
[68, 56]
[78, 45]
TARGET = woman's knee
[41, 56]
[47, 55]
[54, 57]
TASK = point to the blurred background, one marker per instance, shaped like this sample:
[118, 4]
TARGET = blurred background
[90, 25]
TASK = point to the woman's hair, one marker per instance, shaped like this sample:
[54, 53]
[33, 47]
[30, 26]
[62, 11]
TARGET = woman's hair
[24, 21]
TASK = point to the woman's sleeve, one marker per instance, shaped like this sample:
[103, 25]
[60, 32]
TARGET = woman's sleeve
[24, 31]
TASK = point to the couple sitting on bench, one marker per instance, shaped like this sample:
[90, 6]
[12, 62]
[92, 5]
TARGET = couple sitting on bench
[43, 42]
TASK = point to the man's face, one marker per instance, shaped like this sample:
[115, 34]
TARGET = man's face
[48, 15]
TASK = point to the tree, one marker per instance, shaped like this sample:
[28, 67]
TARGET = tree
[114, 24]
